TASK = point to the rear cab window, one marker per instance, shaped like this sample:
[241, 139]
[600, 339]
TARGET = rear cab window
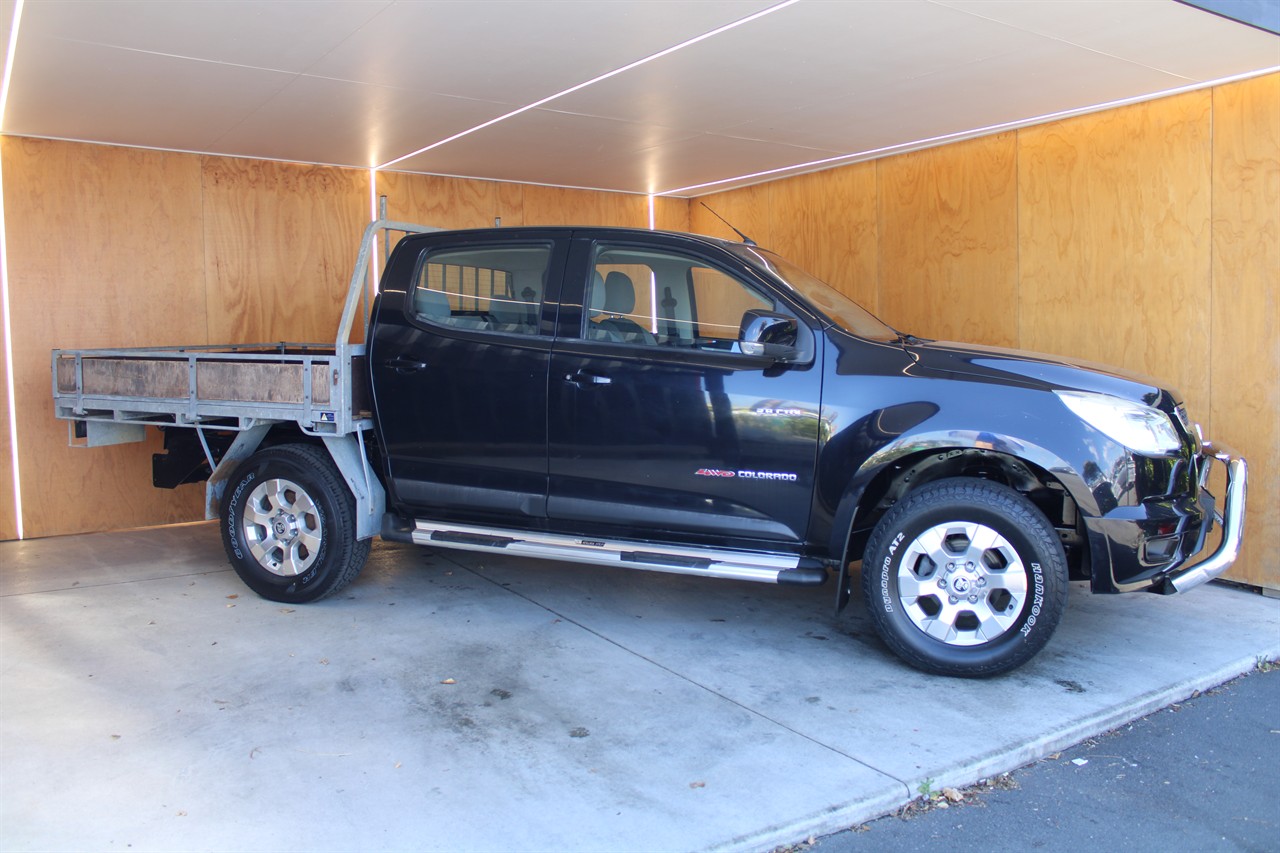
[496, 288]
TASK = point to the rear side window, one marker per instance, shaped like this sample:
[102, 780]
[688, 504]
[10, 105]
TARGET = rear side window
[488, 288]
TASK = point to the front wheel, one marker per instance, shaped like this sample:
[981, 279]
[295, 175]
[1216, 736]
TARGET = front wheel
[964, 578]
[288, 525]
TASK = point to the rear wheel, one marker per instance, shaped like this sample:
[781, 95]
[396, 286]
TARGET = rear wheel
[965, 577]
[288, 525]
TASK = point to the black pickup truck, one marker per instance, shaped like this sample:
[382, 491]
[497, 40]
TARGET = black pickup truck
[677, 403]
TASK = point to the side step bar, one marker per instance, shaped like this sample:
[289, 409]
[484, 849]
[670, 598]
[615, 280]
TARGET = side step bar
[757, 566]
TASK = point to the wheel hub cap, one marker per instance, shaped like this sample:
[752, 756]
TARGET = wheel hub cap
[281, 525]
[962, 583]
[284, 526]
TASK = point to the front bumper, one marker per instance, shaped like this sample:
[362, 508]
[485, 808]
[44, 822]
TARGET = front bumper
[1156, 544]
[1188, 577]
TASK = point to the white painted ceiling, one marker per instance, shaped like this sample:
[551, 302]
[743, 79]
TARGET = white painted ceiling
[767, 86]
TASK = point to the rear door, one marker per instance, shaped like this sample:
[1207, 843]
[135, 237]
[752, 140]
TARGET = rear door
[658, 426]
[459, 360]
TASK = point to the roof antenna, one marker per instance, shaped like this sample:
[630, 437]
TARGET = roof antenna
[745, 239]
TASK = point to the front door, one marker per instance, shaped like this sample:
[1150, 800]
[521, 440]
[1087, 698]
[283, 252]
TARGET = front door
[659, 426]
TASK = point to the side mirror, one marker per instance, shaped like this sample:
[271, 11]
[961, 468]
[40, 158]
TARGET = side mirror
[766, 333]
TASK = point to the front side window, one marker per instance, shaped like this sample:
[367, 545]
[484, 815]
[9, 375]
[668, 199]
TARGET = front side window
[489, 288]
[658, 298]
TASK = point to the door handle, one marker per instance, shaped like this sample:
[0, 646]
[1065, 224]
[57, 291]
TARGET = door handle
[583, 378]
[400, 364]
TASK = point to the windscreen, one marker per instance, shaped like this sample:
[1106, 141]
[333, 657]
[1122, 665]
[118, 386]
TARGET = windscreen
[842, 310]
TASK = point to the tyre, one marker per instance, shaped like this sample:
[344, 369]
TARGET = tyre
[964, 577]
[288, 525]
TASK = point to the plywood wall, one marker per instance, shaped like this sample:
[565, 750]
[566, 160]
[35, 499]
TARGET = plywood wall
[1245, 333]
[114, 247]
[464, 203]
[748, 210]
[826, 222]
[949, 241]
[1114, 240]
[447, 202]
[558, 206]
[105, 248]
[831, 228]
[671, 214]
[280, 242]
[1146, 237]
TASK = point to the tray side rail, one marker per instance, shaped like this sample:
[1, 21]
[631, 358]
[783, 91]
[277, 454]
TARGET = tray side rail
[190, 386]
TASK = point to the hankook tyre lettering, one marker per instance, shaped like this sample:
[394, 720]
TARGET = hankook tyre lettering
[965, 577]
[288, 525]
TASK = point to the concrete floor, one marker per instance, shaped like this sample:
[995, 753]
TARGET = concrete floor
[451, 701]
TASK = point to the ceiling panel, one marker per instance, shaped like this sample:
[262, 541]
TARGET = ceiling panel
[1161, 34]
[319, 120]
[692, 160]
[767, 84]
[573, 150]
[516, 50]
[106, 94]
[6, 24]
[1037, 80]
[809, 53]
[283, 35]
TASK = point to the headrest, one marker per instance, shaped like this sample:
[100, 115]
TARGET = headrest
[619, 293]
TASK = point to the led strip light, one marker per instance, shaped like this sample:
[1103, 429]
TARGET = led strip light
[4, 286]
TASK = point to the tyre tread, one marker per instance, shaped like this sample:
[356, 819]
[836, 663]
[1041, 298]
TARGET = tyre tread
[350, 553]
[1001, 500]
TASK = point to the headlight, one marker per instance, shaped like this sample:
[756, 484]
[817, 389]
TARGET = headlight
[1139, 428]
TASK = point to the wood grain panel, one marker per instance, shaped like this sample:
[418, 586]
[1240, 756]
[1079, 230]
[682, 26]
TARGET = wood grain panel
[511, 203]
[1245, 398]
[280, 243]
[442, 202]
[826, 223]
[671, 214]
[747, 208]
[104, 251]
[949, 241]
[254, 382]
[1115, 239]
[132, 378]
[560, 206]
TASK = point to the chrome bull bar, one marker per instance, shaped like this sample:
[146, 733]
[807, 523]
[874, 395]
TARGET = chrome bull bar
[1232, 519]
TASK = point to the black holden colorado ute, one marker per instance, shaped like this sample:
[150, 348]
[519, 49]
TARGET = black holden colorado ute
[678, 403]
